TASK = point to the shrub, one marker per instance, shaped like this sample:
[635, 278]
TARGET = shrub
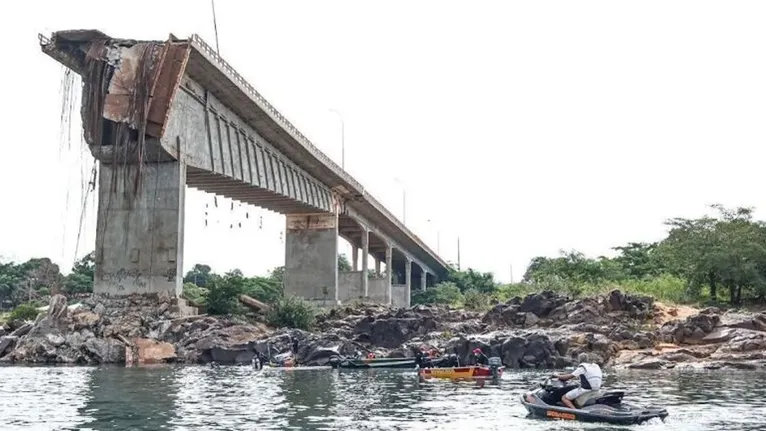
[292, 312]
[195, 294]
[444, 293]
[475, 300]
[24, 312]
[223, 295]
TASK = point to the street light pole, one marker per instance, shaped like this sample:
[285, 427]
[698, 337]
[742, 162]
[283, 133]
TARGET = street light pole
[404, 201]
[342, 139]
[438, 241]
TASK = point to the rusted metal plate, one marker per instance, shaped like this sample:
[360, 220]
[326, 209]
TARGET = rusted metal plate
[131, 82]
[174, 59]
[311, 221]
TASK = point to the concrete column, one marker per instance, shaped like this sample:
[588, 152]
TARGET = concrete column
[365, 254]
[140, 237]
[408, 277]
[377, 266]
[355, 258]
[423, 279]
[311, 257]
[389, 273]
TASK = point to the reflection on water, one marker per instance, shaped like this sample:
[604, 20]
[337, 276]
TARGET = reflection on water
[228, 398]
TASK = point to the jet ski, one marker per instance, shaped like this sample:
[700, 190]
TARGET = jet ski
[594, 406]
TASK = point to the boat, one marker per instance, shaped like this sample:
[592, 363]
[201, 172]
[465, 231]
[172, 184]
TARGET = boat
[594, 406]
[401, 363]
[339, 362]
[282, 360]
[493, 370]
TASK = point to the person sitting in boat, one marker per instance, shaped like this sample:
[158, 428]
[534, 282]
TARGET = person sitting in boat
[480, 357]
[590, 379]
[423, 359]
[371, 355]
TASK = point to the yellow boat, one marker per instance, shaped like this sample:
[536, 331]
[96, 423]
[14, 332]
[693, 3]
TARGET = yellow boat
[474, 372]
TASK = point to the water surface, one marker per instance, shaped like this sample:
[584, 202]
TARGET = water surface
[237, 398]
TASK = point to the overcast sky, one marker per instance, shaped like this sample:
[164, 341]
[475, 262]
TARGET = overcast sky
[520, 127]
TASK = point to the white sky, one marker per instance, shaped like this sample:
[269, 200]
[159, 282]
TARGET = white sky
[521, 127]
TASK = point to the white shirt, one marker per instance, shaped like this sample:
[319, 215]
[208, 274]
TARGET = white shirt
[592, 372]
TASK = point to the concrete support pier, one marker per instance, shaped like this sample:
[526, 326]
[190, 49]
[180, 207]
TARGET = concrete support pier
[140, 236]
[389, 272]
[311, 257]
[408, 280]
[423, 280]
[365, 263]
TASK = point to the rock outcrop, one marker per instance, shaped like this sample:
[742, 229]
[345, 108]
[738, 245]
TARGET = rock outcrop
[542, 330]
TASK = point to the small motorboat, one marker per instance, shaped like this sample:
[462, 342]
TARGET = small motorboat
[594, 406]
[493, 370]
[282, 360]
[339, 362]
[419, 361]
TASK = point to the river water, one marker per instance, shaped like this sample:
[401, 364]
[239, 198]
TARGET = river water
[238, 398]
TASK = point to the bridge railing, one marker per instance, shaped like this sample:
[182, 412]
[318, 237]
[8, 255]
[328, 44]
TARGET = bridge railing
[284, 122]
[201, 45]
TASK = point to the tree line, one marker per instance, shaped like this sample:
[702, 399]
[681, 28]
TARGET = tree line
[711, 259]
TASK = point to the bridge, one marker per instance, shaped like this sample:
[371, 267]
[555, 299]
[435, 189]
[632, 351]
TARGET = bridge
[160, 115]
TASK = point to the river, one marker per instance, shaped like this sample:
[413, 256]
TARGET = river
[237, 398]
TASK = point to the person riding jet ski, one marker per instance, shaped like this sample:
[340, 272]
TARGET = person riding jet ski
[590, 379]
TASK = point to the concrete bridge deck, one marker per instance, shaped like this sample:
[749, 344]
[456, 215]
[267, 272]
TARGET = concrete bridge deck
[161, 114]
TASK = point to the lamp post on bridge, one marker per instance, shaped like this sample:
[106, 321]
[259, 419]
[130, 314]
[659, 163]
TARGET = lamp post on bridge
[404, 201]
[438, 241]
[342, 139]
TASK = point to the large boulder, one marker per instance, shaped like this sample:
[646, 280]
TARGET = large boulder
[392, 332]
[147, 351]
[691, 330]
[105, 351]
[230, 345]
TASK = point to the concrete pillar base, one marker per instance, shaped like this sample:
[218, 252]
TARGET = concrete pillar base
[140, 236]
[311, 257]
[365, 263]
[408, 280]
[389, 273]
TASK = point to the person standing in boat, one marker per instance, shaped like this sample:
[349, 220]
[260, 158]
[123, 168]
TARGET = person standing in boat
[590, 379]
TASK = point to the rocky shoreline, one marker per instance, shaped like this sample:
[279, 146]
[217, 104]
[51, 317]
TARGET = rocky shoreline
[543, 330]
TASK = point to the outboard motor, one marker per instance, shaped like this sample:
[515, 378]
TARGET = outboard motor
[495, 363]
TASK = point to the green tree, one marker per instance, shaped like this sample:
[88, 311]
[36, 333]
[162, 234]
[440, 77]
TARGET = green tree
[80, 280]
[444, 293]
[483, 282]
[200, 275]
[727, 250]
[343, 264]
[573, 266]
[638, 260]
[223, 293]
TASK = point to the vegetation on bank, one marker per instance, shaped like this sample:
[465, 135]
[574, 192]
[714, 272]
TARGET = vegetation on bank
[708, 260]
[711, 259]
